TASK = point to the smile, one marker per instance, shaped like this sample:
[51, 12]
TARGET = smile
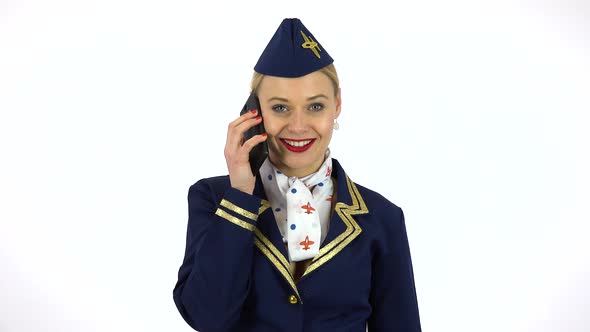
[299, 145]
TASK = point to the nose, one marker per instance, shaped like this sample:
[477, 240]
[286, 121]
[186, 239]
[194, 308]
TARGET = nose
[298, 122]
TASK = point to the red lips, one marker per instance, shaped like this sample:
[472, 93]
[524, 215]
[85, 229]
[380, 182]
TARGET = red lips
[300, 144]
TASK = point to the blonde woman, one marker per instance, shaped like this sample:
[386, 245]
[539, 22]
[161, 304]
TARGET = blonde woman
[296, 245]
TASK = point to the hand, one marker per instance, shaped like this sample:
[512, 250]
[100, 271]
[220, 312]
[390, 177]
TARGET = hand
[237, 152]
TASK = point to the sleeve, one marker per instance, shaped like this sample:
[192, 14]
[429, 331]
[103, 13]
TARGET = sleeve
[214, 278]
[393, 293]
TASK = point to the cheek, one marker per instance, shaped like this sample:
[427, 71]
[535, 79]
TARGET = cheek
[325, 128]
[270, 126]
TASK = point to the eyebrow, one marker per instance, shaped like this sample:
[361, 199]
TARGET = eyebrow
[287, 100]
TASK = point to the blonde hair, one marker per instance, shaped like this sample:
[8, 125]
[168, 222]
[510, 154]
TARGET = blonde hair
[328, 70]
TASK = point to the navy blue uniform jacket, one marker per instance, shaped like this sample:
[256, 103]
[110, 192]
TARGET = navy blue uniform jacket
[235, 274]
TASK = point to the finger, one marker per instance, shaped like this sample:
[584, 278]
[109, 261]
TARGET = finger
[247, 115]
[252, 142]
[235, 134]
[239, 156]
[244, 117]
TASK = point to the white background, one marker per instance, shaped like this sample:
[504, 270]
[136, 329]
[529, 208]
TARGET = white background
[472, 116]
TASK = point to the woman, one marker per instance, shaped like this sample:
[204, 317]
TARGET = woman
[298, 246]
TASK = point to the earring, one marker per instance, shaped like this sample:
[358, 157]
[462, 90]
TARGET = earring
[336, 125]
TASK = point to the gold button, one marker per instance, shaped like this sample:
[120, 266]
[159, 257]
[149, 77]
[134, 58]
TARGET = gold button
[293, 299]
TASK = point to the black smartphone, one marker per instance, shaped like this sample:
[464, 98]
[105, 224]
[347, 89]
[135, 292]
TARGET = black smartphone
[259, 153]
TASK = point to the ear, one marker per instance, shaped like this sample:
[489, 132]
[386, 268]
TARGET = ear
[338, 103]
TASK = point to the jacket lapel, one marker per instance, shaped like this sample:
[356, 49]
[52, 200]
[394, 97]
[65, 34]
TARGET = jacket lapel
[268, 239]
[343, 227]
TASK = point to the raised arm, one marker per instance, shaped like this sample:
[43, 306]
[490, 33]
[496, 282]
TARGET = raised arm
[214, 279]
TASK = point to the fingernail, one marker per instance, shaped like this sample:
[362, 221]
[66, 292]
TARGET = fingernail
[263, 134]
[253, 111]
[258, 117]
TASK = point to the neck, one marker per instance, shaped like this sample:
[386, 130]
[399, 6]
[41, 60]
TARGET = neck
[297, 172]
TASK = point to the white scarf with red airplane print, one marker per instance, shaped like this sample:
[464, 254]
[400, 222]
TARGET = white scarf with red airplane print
[301, 207]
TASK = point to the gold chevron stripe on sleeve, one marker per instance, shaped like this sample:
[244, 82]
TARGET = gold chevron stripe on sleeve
[231, 206]
[263, 206]
[235, 220]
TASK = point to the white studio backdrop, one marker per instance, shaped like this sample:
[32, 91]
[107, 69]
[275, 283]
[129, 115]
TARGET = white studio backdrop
[470, 115]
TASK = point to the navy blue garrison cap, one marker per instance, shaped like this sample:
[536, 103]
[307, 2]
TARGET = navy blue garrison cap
[292, 52]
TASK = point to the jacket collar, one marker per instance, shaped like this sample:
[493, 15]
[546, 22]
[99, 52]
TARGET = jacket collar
[343, 227]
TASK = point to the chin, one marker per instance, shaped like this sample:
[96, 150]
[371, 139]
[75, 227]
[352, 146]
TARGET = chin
[294, 161]
[296, 164]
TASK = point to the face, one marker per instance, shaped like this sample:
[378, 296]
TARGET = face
[298, 115]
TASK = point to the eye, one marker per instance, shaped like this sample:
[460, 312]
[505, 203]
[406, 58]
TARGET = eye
[279, 108]
[316, 107]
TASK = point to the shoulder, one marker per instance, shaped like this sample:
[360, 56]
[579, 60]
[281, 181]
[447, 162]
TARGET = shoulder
[384, 224]
[377, 202]
[215, 182]
[382, 213]
[211, 187]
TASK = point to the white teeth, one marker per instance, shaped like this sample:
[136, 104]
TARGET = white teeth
[298, 143]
